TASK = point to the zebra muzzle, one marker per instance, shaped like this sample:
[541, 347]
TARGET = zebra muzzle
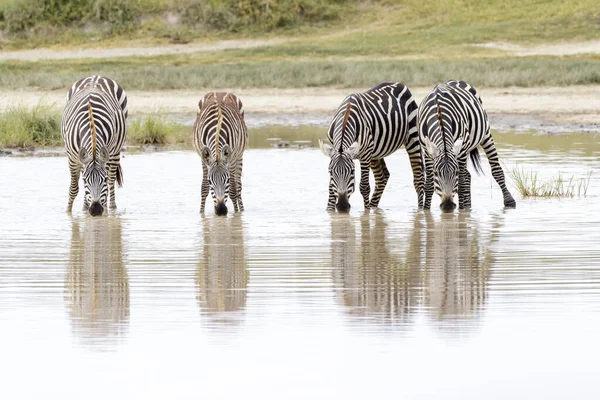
[343, 203]
[96, 209]
[220, 207]
[447, 204]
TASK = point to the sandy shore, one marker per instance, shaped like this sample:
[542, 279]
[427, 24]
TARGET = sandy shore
[573, 104]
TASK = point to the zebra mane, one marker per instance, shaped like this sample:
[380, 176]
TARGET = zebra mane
[93, 129]
[346, 116]
[218, 133]
[441, 121]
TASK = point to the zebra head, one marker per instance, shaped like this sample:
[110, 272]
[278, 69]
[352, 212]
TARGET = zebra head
[445, 171]
[341, 173]
[218, 176]
[95, 180]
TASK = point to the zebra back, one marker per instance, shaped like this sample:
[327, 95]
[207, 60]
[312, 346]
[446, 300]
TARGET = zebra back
[220, 122]
[452, 111]
[384, 116]
[94, 118]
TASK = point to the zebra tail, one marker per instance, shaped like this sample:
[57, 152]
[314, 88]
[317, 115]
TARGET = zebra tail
[120, 175]
[476, 160]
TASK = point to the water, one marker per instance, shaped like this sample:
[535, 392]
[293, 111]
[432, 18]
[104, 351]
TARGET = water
[288, 301]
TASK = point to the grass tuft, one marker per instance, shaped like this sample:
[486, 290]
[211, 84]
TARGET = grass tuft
[156, 129]
[528, 184]
[24, 127]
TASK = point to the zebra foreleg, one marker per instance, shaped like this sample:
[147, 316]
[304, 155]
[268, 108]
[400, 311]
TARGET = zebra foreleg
[233, 194]
[464, 184]
[331, 200]
[238, 183]
[381, 174]
[113, 165]
[428, 183]
[497, 173]
[204, 191]
[365, 188]
[75, 169]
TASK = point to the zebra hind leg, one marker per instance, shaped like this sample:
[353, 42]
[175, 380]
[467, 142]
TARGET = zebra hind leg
[497, 173]
[204, 191]
[75, 169]
[382, 175]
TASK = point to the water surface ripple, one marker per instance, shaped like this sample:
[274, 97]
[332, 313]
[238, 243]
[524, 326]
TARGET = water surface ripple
[288, 301]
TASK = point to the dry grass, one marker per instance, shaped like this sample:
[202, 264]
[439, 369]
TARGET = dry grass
[529, 185]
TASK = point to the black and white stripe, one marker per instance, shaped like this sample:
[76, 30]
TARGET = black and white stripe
[220, 137]
[94, 128]
[369, 126]
[453, 124]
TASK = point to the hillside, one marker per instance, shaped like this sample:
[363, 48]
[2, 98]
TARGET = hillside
[299, 43]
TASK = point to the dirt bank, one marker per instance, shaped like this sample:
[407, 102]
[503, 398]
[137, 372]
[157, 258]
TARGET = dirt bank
[574, 104]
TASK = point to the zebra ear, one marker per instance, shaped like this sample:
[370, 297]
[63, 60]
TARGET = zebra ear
[226, 152]
[200, 104]
[102, 156]
[205, 153]
[431, 148]
[353, 150]
[325, 148]
[457, 147]
[83, 157]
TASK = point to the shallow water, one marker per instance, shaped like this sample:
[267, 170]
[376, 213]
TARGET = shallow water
[288, 301]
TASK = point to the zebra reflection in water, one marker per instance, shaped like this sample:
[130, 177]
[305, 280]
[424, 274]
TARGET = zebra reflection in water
[372, 280]
[97, 286]
[457, 266]
[222, 276]
[441, 266]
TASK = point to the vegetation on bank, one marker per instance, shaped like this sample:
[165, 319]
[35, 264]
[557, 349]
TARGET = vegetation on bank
[22, 128]
[529, 185]
[160, 73]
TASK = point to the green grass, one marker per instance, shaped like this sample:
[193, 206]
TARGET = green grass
[334, 27]
[156, 129]
[22, 127]
[186, 72]
[528, 184]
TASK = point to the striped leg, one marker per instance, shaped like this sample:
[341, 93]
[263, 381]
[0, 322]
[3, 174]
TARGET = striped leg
[233, 194]
[331, 200]
[113, 165]
[382, 175]
[75, 169]
[414, 150]
[204, 191]
[464, 184]
[238, 183]
[428, 183]
[365, 188]
[492, 155]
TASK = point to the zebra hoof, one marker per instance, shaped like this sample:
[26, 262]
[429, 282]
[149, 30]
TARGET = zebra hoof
[510, 204]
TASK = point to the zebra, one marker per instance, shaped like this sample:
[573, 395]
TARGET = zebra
[452, 124]
[93, 128]
[369, 126]
[220, 137]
